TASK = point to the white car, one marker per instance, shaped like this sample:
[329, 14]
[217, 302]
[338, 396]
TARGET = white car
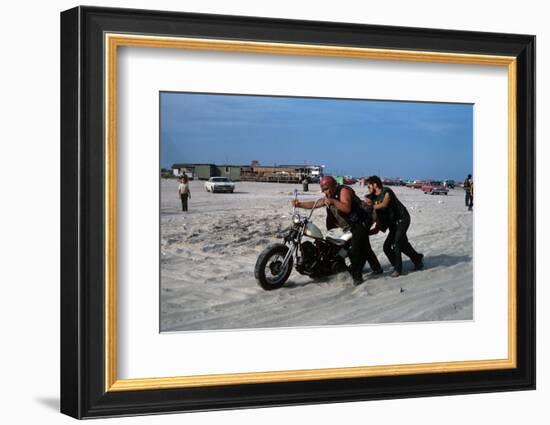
[219, 184]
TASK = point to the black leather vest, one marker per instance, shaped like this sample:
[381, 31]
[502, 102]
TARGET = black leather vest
[356, 216]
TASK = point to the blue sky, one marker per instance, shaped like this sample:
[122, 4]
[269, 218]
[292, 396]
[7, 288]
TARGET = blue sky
[350, 137]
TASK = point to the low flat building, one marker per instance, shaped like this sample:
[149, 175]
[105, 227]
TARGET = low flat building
[284, 172]
[253, 172]
[233, 172]
[205, 171]
[180, 169]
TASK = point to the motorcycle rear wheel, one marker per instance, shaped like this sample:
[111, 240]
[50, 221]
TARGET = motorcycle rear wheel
[268, 270]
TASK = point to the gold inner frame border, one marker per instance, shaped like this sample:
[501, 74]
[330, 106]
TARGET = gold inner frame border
[112, 41]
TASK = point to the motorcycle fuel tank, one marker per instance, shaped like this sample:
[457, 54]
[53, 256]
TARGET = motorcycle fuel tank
[313, 231]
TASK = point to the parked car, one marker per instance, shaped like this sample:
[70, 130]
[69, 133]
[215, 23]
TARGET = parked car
[391, 181]
[417, 184]
[434, 187]
[449, 184]
[219, 184]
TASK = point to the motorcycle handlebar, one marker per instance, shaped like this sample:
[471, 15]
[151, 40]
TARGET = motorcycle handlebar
[296, 198]
[313, 209]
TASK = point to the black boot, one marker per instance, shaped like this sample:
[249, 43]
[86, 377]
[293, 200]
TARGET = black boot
[375, 273]
[357, 279]
[419, 264]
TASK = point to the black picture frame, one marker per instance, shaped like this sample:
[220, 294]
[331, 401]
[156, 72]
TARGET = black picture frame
[83, 393]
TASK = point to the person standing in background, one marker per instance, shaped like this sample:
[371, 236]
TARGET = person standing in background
[184, 192]
[471, 196]
[469, 192]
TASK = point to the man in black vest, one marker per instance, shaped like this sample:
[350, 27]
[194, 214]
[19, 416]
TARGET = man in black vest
[344, 210]
[392, 214]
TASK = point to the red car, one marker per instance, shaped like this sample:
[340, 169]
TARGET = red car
[418, 184]
[434, 187]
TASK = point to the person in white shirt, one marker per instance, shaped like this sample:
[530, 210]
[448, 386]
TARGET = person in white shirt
[184, 192]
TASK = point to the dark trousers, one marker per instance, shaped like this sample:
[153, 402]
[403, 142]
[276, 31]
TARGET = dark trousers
[469, 199]
[184, 197]
[397, 243]
[361, 251]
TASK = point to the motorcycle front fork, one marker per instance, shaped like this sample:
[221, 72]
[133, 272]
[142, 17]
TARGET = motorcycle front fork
[288, 256]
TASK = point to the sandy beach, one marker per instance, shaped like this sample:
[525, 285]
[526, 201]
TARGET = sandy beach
[208, 256]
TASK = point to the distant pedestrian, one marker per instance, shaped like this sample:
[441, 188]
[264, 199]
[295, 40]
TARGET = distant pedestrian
[305, 183]
[184, 191]
[469, 192]
[471, 196]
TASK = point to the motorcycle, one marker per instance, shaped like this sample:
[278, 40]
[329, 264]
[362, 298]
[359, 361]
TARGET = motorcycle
[316, 256]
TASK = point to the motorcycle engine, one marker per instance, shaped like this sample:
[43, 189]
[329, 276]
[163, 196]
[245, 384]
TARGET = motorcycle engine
[307, 262]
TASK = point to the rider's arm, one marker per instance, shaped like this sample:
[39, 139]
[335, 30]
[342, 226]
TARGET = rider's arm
[384, 204]
[308, 205]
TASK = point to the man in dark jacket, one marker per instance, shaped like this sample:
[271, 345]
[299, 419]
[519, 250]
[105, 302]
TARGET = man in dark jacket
[393, 215]
[344, 210]
[469, 192]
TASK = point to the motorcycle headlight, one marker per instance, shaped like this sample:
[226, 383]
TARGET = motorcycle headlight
[296, 219]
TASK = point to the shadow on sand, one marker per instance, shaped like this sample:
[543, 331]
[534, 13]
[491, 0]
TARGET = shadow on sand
[231, 193]
[444, 260]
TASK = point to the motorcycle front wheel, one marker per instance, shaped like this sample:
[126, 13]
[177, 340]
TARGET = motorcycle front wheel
[269, 271]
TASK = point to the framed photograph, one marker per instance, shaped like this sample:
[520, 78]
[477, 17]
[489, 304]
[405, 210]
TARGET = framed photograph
[262, 212]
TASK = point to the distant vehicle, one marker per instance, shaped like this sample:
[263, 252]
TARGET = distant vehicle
[349, 180]
[219, 184]
[434, 187]
[391, 181]
[449, 184]
[417, 184]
